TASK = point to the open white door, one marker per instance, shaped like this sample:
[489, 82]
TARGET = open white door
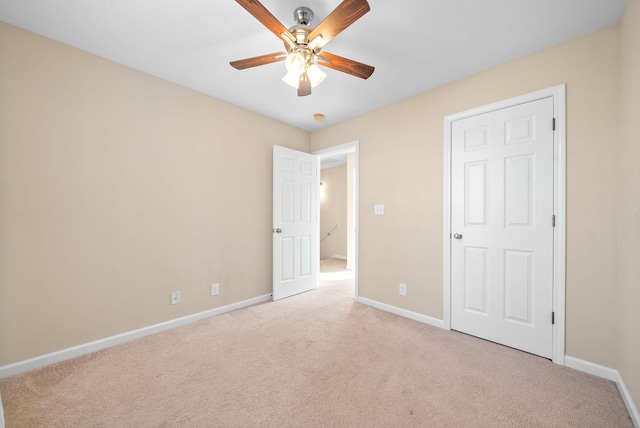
[295, 222]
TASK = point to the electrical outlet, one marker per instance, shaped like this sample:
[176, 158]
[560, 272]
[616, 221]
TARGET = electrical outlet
[378, 209]
[175, 297]
[215, 289]
[402, 289]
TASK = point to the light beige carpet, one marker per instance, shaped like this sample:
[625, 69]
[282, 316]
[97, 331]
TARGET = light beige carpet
[313, 360]
[335, 270]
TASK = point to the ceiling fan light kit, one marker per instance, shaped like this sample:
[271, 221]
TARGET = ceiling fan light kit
[304, 44]
[300, 61]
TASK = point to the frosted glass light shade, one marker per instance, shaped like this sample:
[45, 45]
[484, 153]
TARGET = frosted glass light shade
[316, 76]
[291, 79]
[296, 63]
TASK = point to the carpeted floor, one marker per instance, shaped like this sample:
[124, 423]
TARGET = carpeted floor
[335, 270]
[317, 359]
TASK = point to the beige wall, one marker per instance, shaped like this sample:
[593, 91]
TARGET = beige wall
[629, 280]
[117, 188]
[333, 210]
[401, 166]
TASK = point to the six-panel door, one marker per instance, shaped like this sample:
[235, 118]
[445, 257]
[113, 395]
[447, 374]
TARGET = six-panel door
[295, 222]
[502, 208]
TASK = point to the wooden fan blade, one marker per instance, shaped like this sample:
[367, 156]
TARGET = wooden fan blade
[304, 85]
[347, 12]
[346, 65]
[241, 64]
[255, 8]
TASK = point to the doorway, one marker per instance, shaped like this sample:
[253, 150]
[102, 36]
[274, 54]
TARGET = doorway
[504, 222]
[338, 212]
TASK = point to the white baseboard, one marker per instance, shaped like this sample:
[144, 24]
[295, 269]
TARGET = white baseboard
[86, 348]
[609, 374]
[591, 368]
[402, 312]
[336, 256]
[1, 414]
[626, 397]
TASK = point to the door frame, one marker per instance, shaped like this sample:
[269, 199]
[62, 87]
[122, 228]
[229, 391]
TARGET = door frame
[559, 202]
[353, 146]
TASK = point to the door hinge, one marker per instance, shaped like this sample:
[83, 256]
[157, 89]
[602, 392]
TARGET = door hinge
[553, 318]
[553, 220]
[554, 123]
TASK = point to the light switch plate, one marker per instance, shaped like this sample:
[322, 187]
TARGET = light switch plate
[402, 289]
[378, 209]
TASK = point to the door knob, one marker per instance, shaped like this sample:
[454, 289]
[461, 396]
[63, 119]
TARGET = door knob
[278, 230]
[457, 236]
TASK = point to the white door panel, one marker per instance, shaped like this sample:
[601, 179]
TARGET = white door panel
[295, 222]
[502, 206]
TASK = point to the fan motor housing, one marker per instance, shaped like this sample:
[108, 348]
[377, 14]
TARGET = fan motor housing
[301, 33]
[303, 15]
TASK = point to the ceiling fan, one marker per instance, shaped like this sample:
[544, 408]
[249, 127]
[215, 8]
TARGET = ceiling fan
[304, 44]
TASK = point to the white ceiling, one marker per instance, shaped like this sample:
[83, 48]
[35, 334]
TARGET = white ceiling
[333, 161]
[415, 45]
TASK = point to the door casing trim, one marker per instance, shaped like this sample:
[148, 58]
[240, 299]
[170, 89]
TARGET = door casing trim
[352, 146]
[559, 201]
